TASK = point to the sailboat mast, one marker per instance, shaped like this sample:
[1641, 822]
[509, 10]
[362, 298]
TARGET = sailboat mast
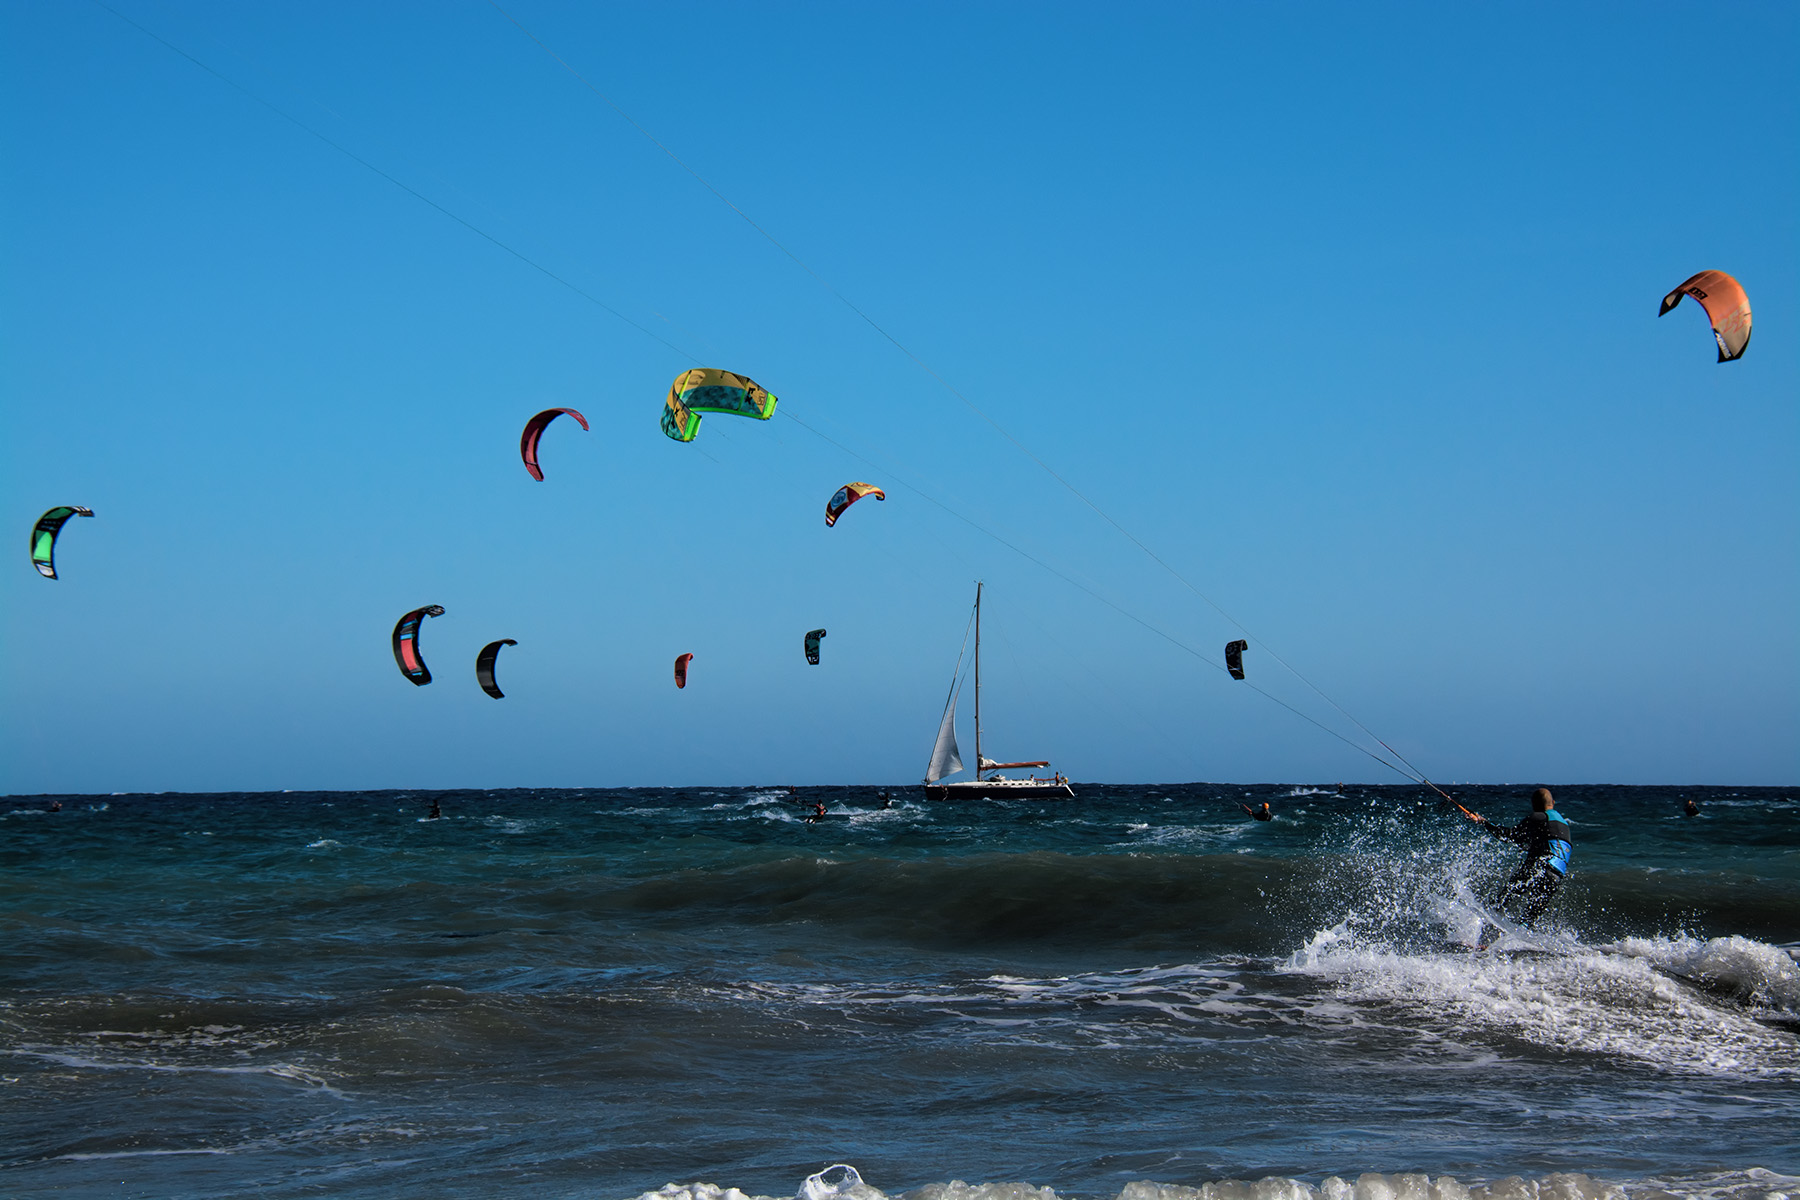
[978, 759]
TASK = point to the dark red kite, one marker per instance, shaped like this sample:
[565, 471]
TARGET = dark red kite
[534, 429]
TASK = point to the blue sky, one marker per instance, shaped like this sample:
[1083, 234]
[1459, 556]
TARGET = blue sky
[1347, 313]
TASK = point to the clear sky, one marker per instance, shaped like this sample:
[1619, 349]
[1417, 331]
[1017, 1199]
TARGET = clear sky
[1347, 312]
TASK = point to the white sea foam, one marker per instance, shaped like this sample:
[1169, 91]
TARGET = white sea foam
[1156, 1004]
[1752, 1184]
[1573, 998]
[1752, 972]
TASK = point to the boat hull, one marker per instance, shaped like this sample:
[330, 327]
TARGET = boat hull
[1000, 789]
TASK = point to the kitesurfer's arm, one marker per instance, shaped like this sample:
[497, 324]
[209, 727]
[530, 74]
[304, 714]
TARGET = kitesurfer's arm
[1518, 835]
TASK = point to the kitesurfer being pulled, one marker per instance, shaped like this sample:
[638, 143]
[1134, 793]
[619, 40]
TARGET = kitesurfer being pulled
[1264, 813]
[1548, 846]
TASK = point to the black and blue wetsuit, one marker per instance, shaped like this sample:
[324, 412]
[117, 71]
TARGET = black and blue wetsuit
[1548, 846]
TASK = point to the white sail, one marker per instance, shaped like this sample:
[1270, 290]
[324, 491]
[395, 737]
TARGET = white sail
[944, 758]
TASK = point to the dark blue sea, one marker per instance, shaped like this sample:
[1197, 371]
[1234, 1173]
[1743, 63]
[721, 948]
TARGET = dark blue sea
[1140, 994]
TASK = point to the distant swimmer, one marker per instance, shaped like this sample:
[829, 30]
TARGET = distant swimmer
[1691, 809]
[1548, 846]
[1262, 814]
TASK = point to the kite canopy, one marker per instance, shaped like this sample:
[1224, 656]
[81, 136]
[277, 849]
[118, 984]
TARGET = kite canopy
[812, 646]
[534, 429]
[710, 390]
[1234, 658]
[406, 643]
[43, 536]
[1726, 305]
[847, 495]
[484, 667]
[681, 665]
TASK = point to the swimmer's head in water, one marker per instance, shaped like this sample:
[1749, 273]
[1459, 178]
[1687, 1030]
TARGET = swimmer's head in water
[1542, 800]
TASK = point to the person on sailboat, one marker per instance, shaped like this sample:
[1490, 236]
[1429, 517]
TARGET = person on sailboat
[1548, 846]
[1262, 814]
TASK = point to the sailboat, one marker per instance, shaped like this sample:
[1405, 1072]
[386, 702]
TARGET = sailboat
[988, 784]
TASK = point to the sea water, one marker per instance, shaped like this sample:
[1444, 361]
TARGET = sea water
[697, 994]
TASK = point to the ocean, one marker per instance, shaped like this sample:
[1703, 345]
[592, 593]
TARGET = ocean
[696, 993]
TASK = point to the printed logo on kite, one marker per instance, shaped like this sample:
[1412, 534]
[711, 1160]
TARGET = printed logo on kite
[710, 390]
[812, 646]
[43, 536]
[484, 667]
[681, 669]
[1727, 307]
[534, 429]
[847, 495]
[406, 643]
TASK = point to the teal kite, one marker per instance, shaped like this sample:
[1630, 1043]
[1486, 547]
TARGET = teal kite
[707, 389]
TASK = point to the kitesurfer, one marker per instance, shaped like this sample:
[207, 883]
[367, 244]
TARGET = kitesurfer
[437, 811]
[1690, 809]
[56, 806]
[1548, 846]
[817, 814]
[1261, 813]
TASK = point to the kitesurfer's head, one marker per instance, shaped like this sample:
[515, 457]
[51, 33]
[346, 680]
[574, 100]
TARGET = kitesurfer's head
[1542, 800]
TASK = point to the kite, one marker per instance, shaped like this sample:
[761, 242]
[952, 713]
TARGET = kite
[406, 643]
[484, 667]
[43, 536]
[1726, 305]
[534, 429]
[681, 665]
[708, 389]
[1234, 658]
[847, 495]
[812, 646]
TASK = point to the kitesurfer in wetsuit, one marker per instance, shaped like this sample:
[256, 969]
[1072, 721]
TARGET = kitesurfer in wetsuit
[437, 811]
[1548, 846]
[817, 814]
[1690, 809]
[1261, 814]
